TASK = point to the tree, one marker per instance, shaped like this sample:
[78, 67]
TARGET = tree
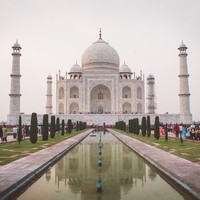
[19, 131]
[166, 132]
[157, 128]
[52, 127]
[69, 126]
[80, 125]
[34, 128]
[63, 127]
[84, 125]
[148, 126]
[45, 127]
[77, 126]
[58, 124]
[144, 127]
[137, 126]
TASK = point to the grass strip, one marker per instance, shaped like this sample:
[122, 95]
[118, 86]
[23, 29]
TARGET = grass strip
[12, 151]
[189, 150]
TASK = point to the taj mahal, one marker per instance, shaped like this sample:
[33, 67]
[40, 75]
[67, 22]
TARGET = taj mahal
[100, 90]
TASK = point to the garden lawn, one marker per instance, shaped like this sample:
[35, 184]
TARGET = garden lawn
[13, 150]
[189, 150]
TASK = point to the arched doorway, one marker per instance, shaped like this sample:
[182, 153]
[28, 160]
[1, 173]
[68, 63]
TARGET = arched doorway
[74, 108]
[100, 100]
[126, 108]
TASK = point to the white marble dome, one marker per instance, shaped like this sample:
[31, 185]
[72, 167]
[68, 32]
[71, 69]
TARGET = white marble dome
[125, 69]
[76, 69]
[100, 56]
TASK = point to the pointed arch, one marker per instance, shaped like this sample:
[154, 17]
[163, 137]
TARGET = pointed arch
[126, 92]
[126, 108]
[74, 108]
[74, 92]
[100, 99]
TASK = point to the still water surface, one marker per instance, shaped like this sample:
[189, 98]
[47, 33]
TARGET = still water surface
[125, 176]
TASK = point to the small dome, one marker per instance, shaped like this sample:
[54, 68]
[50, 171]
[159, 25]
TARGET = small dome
[125, 69]
[49, 77]
[76, 69]
[100, 56]
[16, 45]
[151, 76]
[182, 46]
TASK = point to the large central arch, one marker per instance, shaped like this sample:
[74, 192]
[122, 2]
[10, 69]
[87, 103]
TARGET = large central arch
[100, 100]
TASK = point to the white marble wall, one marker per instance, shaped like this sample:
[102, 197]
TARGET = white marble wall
[109, 119]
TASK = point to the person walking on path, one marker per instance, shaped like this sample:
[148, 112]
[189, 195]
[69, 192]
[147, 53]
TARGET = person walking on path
[5, 133]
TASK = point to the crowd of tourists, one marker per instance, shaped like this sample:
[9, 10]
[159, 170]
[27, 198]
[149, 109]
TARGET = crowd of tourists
[14, 130]
[191, 131]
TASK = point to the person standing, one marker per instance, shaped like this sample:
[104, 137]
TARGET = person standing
[176, 130]
[5, 133]
[14, 132]
[184, 130]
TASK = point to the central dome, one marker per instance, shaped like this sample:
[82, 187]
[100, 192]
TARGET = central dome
[100, 56]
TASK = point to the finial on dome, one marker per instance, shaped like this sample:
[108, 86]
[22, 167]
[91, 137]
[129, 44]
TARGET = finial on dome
[100, 34]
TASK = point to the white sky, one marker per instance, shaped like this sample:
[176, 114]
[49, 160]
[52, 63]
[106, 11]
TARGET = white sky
[53, 34]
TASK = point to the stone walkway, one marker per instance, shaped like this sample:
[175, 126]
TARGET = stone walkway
[182, 173]
[16, 175]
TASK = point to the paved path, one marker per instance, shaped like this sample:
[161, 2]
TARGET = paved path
[16, 175]
[181, 172]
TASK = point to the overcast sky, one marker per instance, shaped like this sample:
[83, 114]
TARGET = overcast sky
[53, 35]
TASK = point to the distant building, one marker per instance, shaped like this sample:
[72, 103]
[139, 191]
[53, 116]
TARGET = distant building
[100, 86]
[101, 91]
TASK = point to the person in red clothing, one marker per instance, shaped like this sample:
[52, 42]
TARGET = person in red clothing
[176, 130]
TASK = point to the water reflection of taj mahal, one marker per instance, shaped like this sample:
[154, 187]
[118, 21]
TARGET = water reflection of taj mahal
[122, 170]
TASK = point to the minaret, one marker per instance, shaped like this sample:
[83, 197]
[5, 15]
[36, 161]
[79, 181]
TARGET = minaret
[49, 95]
[183, 82]
[151, 105]
[15, 81]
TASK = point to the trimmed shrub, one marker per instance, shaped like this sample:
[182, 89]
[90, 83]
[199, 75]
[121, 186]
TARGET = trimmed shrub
[69, 126]
[157, 128]
[63, 127]
[84, 125]
[77, 127]
[148, 126]
[34, 128]
[19, 130]
[80, 125]
[58, 124]
[45, 127]
[137, 126]
[144, 128]
[166, 132]
[52, 127]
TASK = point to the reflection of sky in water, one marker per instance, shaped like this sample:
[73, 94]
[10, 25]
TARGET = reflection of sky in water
[124, 175]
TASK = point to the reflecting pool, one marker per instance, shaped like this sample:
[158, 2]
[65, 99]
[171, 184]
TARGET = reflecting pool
[124, 175]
